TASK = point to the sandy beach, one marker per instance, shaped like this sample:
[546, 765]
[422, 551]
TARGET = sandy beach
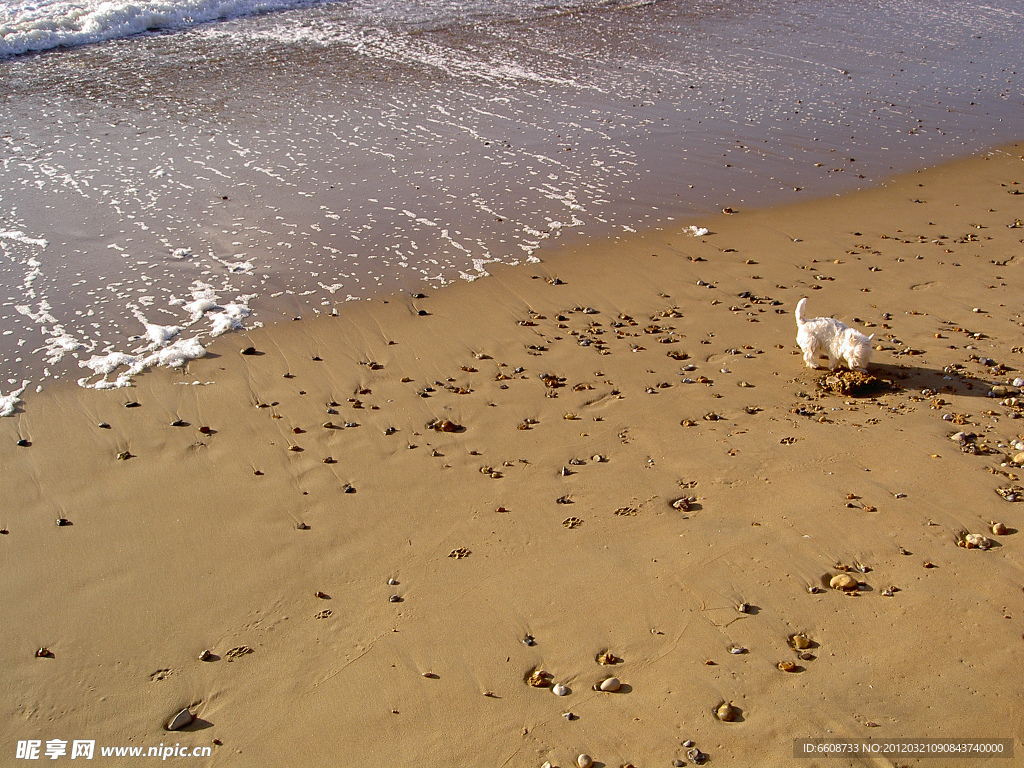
[380, 523]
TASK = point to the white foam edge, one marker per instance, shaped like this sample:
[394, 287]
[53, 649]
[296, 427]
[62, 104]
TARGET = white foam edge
[9, 402]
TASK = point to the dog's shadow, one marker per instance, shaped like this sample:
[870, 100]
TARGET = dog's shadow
[918, 377]
[886, 378]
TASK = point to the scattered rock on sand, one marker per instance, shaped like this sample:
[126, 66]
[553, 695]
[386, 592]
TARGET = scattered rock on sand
[539, 679]
[180, 720]
[584, 761]
[844, 582]
[800, 641]
[726, 712]
[999, 529]
[975, 541]
[609, 685]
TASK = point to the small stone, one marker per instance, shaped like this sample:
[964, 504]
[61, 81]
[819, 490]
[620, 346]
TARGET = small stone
[610, 685]
[249, 351]
[689, 743]
[677, 763]
[44, 653]
[1018, 458]
[844, 582]
[743, 607]
[800, 641]
[539, 679]
[787, 666]
[392, 582]
[180, 720]
[23, 443]
[62, 521]
[697, 756]
[301, 527]
[560, 690]
[598, 458]
[584, 761]
[976, 541]
[395, 599]
[103, 425]
[726, 712]
[999, 529]
[206, 655]
[814, 589]
[444, 425]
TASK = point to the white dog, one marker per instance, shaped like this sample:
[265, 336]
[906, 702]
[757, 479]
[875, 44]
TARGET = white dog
[825, 335]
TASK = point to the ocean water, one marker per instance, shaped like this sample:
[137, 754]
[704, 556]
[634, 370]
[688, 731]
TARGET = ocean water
[172, 171]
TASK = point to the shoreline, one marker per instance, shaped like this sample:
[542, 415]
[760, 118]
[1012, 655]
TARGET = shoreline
[215, 535]
[143, 172]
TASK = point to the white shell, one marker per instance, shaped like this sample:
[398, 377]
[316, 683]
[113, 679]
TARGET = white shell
[584, 761]
[559, 690]
[610, 685]
[180, 720]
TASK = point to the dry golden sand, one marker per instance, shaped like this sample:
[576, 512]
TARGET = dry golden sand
[196, 541]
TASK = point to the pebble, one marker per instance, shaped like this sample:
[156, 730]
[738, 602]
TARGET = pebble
[677, 763]
[976, 541]
[689, 743]
[392, 582]
[1018, 382]
[103, 425]
[395, 599]
[1018, 458]
[249, 351]
[999, 529]
[610, 685]
[23, 443]
[584, 761]
[787, 666]
[844, 582]
[206, 655]
[559, 690]
[800, 641]
[180, 720]
[726, 712]
[697, 756]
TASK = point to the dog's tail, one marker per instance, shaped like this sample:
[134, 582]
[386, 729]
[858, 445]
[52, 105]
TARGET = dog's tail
[800, 317]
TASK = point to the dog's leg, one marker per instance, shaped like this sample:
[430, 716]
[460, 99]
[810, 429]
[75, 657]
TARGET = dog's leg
[809, 357]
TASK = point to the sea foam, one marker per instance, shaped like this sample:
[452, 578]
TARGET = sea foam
[44, 24]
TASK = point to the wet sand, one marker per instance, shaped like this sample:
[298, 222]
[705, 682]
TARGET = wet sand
[271, 519]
